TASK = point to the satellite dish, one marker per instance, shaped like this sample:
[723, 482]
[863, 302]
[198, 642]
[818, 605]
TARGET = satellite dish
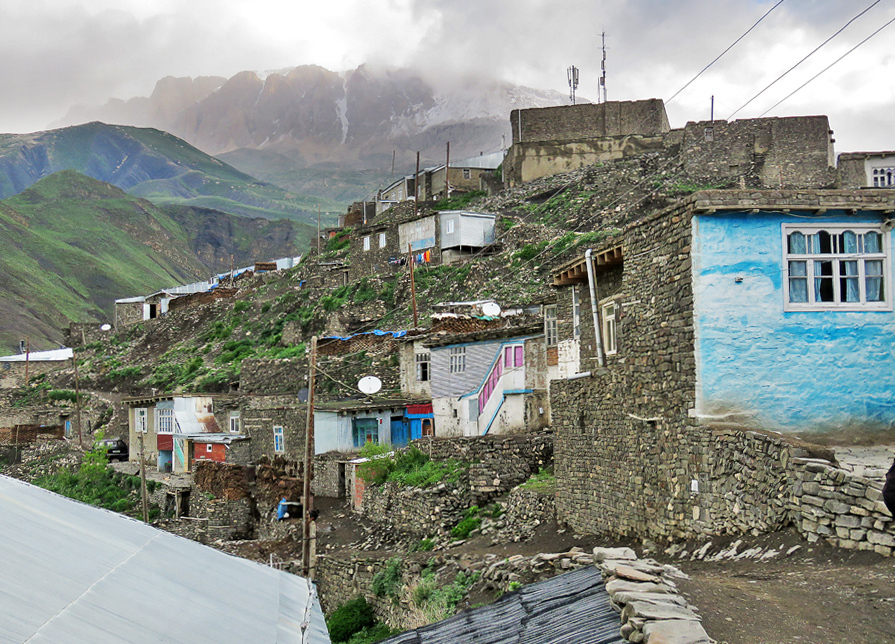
[491, 309]
[303, 395]
[369, 384]
[106, 327]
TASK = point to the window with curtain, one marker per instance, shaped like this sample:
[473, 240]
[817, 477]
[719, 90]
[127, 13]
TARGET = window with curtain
[366, 430]
[836, 267]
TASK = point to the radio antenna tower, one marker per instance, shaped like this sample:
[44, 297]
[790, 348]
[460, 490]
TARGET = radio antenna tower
[603, 67]
[572, 73]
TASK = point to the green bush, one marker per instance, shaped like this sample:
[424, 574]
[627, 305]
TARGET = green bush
[372, 634]
[350, 618]
[471, 521]
[425, 545]
[387, 581]
[62, 394]
[241, 306]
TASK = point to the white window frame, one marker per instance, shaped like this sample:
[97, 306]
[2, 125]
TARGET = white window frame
[235, 422]
[882, 177]
[140, 420]
[381, 240]
[551, 325]
[609, 315]
[449, 227]
[367, 243]
[458, 359]
[423, 367]
[836, 258]
[576, 312]
[209, 448]
[279, 440]
[164, 421]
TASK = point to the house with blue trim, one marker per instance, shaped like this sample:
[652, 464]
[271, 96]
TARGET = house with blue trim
[490, 381]
[755, 309]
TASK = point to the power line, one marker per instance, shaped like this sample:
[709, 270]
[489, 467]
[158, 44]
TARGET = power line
[814, 51]
[825, 69]
[724, 52]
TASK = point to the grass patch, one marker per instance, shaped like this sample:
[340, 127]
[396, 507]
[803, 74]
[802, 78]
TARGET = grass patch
[460, 201]
[412, 467]
[387, 582]
[471, 521]
[543, 481]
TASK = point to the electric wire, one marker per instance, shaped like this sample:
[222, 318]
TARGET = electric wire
[814, 51]
[825, 69]
[731, 46]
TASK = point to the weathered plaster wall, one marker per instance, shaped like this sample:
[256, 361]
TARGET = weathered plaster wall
[803, 371]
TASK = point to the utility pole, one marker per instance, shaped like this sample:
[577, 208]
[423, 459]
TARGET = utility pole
[416, 185]
[309, 455]
[74, 361]
[447, 173]
[143, 494]
[318, 230]
[412, 286]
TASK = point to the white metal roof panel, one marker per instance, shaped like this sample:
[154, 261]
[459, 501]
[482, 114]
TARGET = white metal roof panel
[40, 356]
[72, 573]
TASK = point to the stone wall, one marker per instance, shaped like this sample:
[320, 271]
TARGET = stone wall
[81, 333]
[329, 475]
[260, 414]
[12, 374]
[272, 377]
[416, 512]
[589, 120]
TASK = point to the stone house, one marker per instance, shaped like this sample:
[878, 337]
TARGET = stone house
[275, 425]
[173, 426]
[14, 367]
[465, 175]
[754, 310]
[867, 170]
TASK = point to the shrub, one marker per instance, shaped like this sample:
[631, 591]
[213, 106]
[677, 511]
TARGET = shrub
[425, 545]
[350, 618]
[62, 394]
[471, 521]
[241, 306]
[387, 581]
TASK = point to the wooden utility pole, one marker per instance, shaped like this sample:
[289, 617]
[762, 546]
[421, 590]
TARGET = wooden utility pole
[318, 230]
[74, 361]
[416, 185]
[27, 358]
[412, 286]
[143, 494]
[447, 173]
[307, 567]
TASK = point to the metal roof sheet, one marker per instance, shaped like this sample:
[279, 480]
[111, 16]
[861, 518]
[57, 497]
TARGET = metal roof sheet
[573, 607]
[53, 355]
[72, 573]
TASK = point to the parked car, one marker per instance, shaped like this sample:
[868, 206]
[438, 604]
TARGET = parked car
[115, 448]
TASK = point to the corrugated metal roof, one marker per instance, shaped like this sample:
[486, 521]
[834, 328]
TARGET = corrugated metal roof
[573, 607]
[54, 355]
[72, 573]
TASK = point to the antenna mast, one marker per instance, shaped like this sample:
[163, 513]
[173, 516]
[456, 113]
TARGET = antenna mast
[572, 74]
[603, 67]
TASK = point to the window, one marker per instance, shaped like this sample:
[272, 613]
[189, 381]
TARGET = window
[518, 357]
[381, 240]
[366, 430]
[835, 267]
[508, 357]
[422, 367]
[467, 173]
[427, 428]
[208, 448]
[458, 359]
[279, 444]
[140, 420]
[550, 329]
[234, 422]
[367, 242]
[164, 421]
[449, 227]
[884, 177]
[709, 134]
[610, 330]
[576, 312]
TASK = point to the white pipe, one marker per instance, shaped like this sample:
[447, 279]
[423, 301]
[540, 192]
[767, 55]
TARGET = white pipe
[578, 376]
[591, 282]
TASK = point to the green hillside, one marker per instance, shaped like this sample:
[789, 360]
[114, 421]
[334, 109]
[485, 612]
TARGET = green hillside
[151, 164]
[70, 246]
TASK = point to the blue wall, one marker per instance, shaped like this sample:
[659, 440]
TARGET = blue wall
[793, 371]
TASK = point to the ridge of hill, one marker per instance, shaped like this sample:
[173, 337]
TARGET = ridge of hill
[70, 245]
[153, 165]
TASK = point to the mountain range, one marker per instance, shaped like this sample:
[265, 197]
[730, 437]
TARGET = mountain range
[71, 245]
[313, 129]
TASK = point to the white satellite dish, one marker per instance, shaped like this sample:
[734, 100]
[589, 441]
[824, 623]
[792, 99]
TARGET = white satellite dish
[106, 327]
[369, 384]
[491, 309]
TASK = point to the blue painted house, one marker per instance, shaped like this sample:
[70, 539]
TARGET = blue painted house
[761, 309]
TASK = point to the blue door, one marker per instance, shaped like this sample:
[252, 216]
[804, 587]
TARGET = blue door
[399, 432]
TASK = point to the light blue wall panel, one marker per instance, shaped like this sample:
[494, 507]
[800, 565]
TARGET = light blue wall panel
[794, 371]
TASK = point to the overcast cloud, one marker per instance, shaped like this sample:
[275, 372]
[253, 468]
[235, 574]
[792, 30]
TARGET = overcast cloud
[58, 53]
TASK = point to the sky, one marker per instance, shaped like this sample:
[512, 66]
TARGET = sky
[58, 53]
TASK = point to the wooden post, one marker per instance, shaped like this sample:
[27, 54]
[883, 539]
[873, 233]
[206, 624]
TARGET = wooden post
[74, 361]
[143, 494]
[447, 173]
[416, 185]
[27, 358]
[318, 230]
[412, 286]
[307, 566]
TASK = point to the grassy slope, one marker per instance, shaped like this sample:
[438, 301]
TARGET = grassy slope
[151, 164]
[70, 246]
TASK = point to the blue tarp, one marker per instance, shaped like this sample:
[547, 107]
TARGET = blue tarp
[394, 334]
